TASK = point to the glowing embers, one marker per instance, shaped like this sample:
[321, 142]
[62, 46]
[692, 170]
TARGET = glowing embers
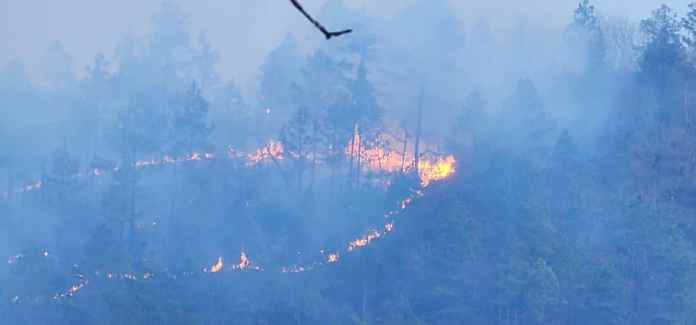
[380, 157]
[15, 259]
[298, 268]
[273, 151]
[169, 160]
[37, 185]
[333, 258]
[244, 264]
[31, 187]
[432, 167]
[124, 276]
[370, 236]
[73, 289]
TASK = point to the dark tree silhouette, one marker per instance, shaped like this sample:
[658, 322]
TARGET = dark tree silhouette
[326, 33]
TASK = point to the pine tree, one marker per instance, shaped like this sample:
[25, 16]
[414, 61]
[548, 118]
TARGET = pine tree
[586, 26]
[279, 72]
[190, 127]
[61, 180]
[299, 137]
[662, 62]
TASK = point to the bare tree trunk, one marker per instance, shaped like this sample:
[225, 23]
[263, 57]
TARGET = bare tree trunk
[43, 182]
[403, 152]
[314, 154]
[419, 124]
[301, 161]
[10, 181]
[333, 151]
[359, 169]
[364, 303]
[352, 151]
[172, 214]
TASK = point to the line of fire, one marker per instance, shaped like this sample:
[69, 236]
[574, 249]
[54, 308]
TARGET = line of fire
[384, 160]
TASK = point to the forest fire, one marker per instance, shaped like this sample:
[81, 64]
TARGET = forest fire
[435, 170]
[295, 269]
[72, 290]
[363, 241]
[431, 168]
[244, 262]
[380, 157]
[272, 150]
[333, 258]
[217, 267]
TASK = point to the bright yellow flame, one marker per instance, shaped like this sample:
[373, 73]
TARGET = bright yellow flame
[385, 159]
[217, 267]
[435, 170]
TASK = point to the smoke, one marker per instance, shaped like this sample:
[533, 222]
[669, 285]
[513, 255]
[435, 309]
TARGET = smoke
[90, 27]
[174, 142]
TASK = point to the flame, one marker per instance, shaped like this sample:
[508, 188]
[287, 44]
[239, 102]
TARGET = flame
[76, 287]
[272, 150]
[405, 202]
[372, 158]
[381, 158]
[72, 290]
[333, 258]
[431, 168]
[435, 170]
[243, 262]
[363, 241]
[217, 267]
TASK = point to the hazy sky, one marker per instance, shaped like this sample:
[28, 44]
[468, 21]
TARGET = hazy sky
[242, 31]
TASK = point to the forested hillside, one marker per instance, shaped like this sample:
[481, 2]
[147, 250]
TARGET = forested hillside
[393, 175]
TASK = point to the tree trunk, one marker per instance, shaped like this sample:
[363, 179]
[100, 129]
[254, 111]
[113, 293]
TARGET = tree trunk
[10, 181]
[403, 152]
[352, 152]
[419, 125]
[359, 169]
[314, 155]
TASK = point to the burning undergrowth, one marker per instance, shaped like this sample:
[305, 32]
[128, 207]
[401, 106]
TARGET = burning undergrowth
[274, 225]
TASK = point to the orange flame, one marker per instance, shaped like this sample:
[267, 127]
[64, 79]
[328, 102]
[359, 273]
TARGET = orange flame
[244, 262]
[363, 241]
[333, 258]
[217, 267]
[435, 170]
[273, 150]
